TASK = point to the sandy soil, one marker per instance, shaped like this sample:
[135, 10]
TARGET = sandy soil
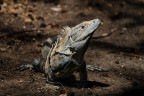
[25, 25]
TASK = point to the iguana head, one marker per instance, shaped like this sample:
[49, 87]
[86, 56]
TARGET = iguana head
[76, 38]
[84, 30]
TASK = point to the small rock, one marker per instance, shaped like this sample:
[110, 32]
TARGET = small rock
[63, 94]
[2, 49]
[21, 81]
[124, 29]
[27, 20]
[12, 10]
[56, 9]
[53, 87]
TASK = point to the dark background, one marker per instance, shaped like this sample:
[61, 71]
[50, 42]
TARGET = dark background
[26, 24]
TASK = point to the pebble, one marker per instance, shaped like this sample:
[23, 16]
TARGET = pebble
[56, 9]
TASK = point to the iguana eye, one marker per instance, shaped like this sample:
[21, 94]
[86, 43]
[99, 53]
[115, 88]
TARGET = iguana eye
[82, 27]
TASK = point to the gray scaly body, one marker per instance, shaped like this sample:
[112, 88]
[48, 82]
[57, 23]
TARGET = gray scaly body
[66, 55]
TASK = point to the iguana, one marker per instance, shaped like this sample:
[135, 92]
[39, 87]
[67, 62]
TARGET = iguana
[66, 55]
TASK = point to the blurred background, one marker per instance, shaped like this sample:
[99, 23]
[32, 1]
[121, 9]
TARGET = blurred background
[26, 24]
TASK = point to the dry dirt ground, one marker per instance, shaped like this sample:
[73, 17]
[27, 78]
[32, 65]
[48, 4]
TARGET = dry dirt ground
[25, 25]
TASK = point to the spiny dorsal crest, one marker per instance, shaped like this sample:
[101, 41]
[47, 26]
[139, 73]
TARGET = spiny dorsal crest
[66, 30]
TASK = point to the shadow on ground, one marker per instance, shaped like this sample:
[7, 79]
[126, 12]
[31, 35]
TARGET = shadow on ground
[117, 49]
[90, 84]
[135, 91]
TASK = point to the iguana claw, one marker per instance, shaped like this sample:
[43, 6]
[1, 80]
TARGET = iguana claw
[96, 68]
[37, 65]
[26, 66]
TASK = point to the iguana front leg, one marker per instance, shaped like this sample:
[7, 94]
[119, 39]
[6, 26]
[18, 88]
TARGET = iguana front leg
[83, 76]
[50, 78]
[83, 72]
[37, 66]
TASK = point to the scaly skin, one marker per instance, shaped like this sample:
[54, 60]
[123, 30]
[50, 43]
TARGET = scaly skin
[67, 54]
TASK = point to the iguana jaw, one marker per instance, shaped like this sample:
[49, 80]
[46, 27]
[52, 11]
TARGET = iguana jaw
[84, 30]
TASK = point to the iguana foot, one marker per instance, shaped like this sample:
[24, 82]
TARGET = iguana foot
[50, 78]
[53, 81]
[37, 66]
[24, 67]
[95, 68]
[52, 87]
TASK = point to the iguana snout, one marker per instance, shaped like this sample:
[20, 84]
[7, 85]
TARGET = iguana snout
[84, 30]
